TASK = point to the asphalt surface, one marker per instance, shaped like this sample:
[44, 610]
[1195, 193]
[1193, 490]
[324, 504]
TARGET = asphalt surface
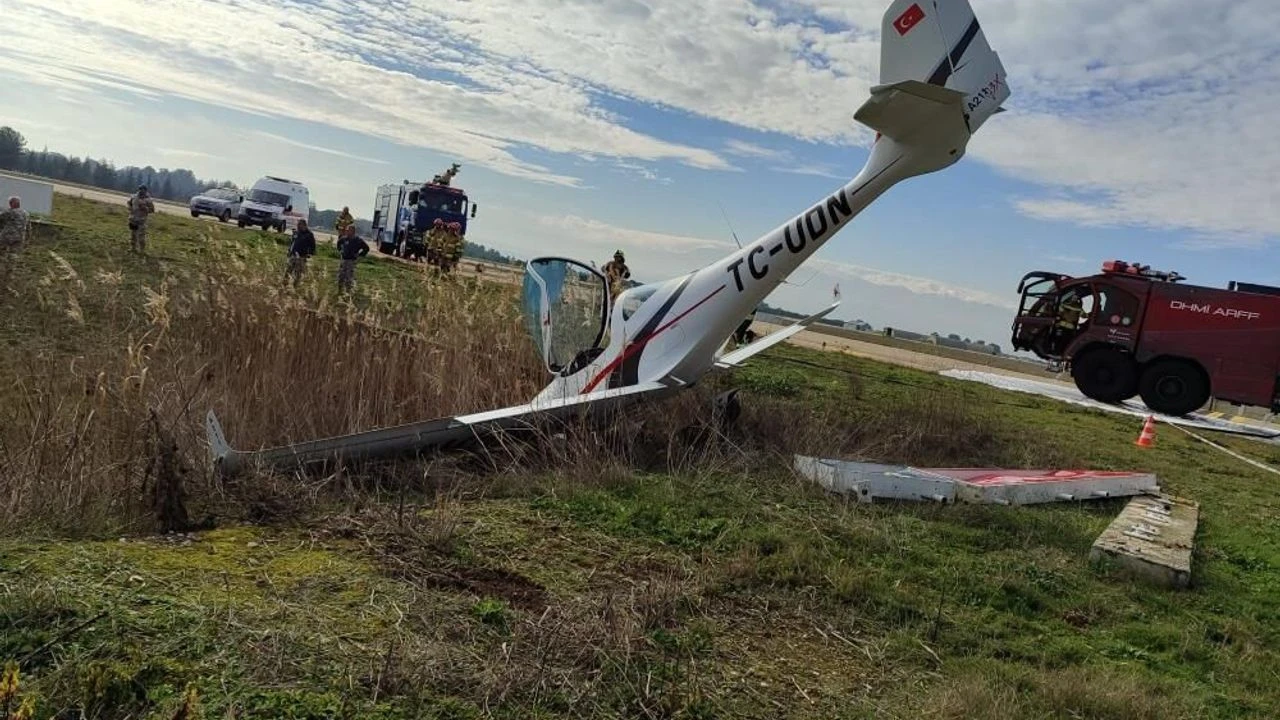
[893, 355]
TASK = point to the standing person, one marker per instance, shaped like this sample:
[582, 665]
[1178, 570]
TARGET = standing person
[616, 271]
[302, 247]
[344, 221]
[435, 243]
[13, 235]
[449, 247]
[455, 252]
[140, 207]
[350, 247]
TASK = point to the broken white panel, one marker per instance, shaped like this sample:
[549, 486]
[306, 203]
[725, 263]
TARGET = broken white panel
[36, 195]
[869, 482]
[1152, 538]
[1029, 487]
[873, 481]
[1069, 394]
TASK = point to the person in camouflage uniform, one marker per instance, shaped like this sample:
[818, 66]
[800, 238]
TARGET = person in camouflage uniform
[13, 235]
[140, 207]
[617, 272]
[350, 248]
[344, 221]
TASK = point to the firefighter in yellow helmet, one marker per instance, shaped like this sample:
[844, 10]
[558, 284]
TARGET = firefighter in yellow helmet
[344, 221]
[1070, 310]
[617, 272]
[455, 244]
[435, 242]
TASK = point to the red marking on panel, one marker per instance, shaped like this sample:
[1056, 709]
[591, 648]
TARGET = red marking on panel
[1024, 477]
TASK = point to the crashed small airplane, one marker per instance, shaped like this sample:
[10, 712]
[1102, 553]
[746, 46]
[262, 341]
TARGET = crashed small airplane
[939, 82]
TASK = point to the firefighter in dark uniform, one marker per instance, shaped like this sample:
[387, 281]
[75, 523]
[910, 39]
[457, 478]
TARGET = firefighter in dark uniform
[744, 334]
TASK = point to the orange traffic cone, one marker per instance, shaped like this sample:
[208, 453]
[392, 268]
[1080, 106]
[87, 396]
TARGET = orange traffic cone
[1147, 437]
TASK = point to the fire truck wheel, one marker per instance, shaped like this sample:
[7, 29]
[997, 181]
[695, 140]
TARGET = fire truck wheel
[1106, 375]
[1173, 387]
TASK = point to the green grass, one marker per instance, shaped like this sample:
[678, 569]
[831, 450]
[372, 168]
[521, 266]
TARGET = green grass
[732, 589]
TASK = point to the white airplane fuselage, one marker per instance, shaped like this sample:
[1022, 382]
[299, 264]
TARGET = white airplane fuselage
[675, 334]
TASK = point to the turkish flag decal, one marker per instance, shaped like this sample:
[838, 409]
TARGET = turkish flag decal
[908, 19]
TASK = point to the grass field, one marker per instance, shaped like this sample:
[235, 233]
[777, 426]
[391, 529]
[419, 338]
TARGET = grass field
[638, 573]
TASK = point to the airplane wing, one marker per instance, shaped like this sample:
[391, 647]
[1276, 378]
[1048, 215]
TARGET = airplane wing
[742, 354]
[438, 434]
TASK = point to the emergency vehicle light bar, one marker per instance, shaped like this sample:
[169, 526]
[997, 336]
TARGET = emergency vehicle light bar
[1123, 268]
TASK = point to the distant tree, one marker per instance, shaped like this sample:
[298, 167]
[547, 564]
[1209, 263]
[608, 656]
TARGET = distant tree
[12, 146]
[480, 252]
[71, 168]
[104, 175]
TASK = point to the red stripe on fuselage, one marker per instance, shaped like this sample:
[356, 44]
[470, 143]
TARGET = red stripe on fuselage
[639, 344]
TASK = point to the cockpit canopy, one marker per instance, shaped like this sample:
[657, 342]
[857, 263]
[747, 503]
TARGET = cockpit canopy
[566, 309]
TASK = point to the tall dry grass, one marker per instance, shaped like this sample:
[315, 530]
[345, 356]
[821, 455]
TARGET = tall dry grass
[93, 441]
[109, 438]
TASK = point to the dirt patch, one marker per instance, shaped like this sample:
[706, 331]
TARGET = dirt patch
[426, 559]
[518, 590]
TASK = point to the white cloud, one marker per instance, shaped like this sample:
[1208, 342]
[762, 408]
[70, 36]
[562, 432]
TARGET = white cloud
[1156, 115]
[310, 66]
[915, 284]
[319, 149]
[605, 237]
[178, 152]
[751, 150]
[1070, 259]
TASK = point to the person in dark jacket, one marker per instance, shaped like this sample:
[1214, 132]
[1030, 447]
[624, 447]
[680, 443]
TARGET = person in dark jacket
[302, 247]
[350, 247]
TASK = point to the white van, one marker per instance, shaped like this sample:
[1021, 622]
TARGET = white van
[276, 203]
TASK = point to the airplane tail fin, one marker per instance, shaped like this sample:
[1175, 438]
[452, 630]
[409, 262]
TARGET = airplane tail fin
[939, 78]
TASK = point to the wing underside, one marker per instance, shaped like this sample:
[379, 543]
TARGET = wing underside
[742, 354]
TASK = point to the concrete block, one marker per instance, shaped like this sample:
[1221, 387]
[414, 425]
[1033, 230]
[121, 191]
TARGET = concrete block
[1152, 539]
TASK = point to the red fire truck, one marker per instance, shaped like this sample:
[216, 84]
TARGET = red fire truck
[1131, 331]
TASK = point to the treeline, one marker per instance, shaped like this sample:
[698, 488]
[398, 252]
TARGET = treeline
[178, 185]
[327, 220]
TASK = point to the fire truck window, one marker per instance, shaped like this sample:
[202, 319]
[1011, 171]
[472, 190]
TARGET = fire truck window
[1080, 294]
[1086, 301]
[1116, 307]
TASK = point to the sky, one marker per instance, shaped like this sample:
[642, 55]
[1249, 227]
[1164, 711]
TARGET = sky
[1138, 131]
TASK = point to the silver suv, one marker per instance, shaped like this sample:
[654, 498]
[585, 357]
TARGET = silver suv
[222, 203]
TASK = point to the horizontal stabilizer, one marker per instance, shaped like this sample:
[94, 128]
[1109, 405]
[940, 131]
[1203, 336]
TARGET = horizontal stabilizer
[902, 109]
[742, 354]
